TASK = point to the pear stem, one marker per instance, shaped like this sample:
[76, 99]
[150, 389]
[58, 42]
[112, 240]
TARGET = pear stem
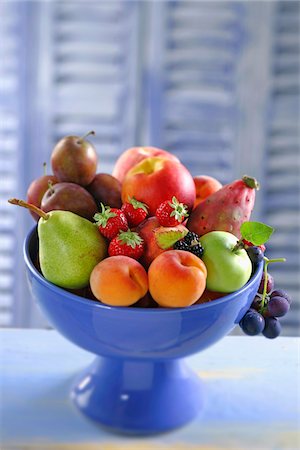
[85, 136]
[33, 208]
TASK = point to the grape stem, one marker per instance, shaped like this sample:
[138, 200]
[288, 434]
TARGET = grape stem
[267, 261]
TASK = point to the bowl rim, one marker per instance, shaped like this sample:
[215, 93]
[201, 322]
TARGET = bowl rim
[101, 306]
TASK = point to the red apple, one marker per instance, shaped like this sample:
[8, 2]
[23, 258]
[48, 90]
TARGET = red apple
[157, 179]
[133, 156]
[151, 250]
[37, 190]
[205, 186]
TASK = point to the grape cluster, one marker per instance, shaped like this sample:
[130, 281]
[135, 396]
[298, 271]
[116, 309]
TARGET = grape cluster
[266, 308]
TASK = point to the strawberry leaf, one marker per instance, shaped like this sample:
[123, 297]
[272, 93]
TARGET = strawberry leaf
[256, 232]
[180, 211]
[130, 238]
[137, 204]
[101, 218]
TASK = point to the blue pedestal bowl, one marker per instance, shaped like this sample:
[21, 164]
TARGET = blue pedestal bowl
[139, 382]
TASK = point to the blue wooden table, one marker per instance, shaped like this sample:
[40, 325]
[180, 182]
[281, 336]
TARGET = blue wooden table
[252, 397]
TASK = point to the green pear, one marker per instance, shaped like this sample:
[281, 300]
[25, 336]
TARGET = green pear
[69, 246]
[228, 268]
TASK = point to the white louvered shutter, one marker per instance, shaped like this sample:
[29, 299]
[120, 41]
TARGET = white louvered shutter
[194, 105]
[11, 173]
[95, 74]
[282, 157]
[81, 63]
[88, 79]
[224, 96]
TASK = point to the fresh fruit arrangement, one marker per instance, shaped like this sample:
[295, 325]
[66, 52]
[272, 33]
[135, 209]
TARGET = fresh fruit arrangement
[150, 234]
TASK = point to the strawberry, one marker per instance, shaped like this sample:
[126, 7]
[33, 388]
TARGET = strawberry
[171, 213]
[110, 221]
[226, 209]
[128, 243]
[135, 212]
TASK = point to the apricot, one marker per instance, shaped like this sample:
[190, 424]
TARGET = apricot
[119, 281]
[177, 278]
[205, 186]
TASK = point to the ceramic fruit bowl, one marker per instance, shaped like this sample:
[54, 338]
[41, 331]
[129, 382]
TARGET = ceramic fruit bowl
[139, 382]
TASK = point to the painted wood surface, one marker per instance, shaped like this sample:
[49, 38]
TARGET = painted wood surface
[252, 397]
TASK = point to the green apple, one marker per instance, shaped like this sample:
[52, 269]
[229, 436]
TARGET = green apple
[228, 269]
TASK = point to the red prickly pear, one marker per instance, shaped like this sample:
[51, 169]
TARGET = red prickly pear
[226, 209]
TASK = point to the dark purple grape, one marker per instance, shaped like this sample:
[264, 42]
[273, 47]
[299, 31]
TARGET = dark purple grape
[256, 304]
[281, 293]
[277, 306]
[270, 283]
[252, 323]
[255, 254]
[272, 328]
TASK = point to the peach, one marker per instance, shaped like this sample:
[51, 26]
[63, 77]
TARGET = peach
[133, 156]
[177, 278]
[205, 186]
[119, 281]
[157, 179]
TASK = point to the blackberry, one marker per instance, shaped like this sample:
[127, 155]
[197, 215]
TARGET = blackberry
[196, 250]
[190, 243]
[181, 245]
[190, 237]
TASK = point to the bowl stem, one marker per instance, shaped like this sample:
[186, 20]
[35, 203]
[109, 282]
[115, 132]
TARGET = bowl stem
[139, 396]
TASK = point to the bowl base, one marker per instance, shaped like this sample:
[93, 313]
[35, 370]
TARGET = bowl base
[138, 397]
